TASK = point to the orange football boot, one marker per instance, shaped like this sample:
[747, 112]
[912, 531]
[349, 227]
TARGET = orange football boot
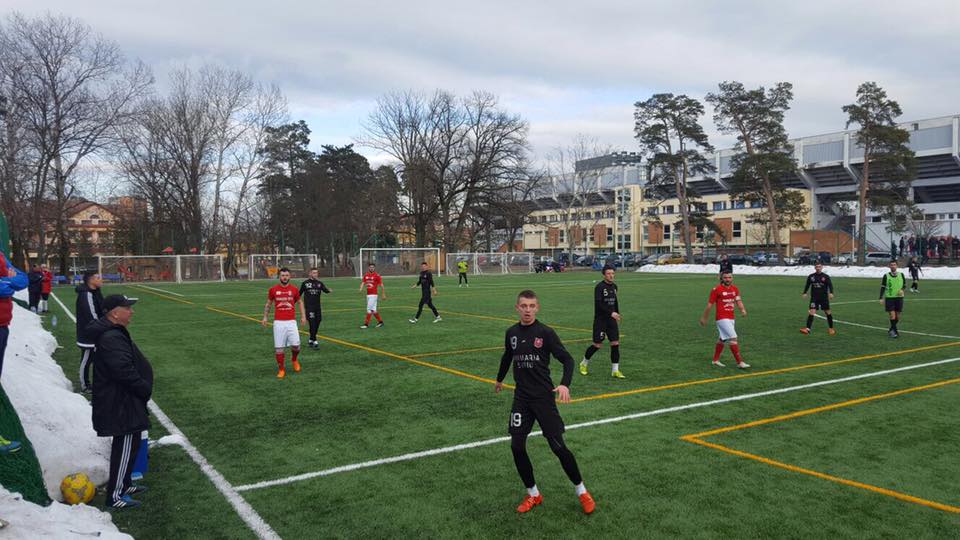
[586, 501]
[529, 502]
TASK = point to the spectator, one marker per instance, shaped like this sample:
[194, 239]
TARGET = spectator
[11, 280]
[45, 288]
[893, 250]
[903, 244]
[89, 308]
[35, 287]
[913, 247]
[122, 385]
[955, 247]
[941, 248]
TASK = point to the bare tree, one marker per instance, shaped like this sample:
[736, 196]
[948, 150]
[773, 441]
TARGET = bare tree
[73, 87]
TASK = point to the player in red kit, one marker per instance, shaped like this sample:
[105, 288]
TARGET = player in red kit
[726, 297]
[285, 298]
[373, 283]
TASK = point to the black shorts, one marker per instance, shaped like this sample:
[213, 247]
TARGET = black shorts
[544, 411]
[313, 313]
[45, 295]
[893, 304]
[820, 303]
[605, 328]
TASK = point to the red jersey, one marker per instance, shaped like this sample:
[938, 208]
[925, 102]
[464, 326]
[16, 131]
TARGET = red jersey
[726, 300]
[372, 280]
[284, 299]
[47, 284]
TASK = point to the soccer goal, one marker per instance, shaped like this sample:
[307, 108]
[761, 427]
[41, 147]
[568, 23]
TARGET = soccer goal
[490, 263]
[399, 261]
[160, 268]
[267, 266]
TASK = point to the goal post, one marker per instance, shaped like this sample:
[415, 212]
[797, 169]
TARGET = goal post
[518, 262]
[268, 265]
[490, 263]
[399, 261]
[160, 268]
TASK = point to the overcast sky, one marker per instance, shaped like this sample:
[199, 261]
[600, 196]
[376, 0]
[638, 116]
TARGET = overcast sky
[568, 67]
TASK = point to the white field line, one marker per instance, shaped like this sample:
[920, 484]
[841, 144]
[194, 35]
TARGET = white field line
[246, 512]
[158, 290]
[912, 300]
[656, 412]
[885, 329]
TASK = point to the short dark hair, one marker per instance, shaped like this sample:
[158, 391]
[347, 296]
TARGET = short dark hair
[312, 268]
[370, 264]
[528, 294]
[607, 267]
[87, 275]
[424, 263]
[284, 269]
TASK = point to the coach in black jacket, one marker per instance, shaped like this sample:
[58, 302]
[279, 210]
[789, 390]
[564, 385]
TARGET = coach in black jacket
[122, 385]
[89, 309]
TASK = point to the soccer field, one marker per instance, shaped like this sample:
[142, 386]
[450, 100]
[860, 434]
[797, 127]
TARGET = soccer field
[853, 435]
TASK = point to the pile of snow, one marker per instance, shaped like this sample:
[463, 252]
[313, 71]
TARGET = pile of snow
[56, 420]
[834, 271]
[28, 520]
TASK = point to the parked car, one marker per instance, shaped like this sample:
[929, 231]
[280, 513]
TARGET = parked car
[630, 259]
[649, 259]
[877, 258]
[586, 260]
[758, 258]
[844, 258]
[739, 258]
[825, 257]
[671, 258]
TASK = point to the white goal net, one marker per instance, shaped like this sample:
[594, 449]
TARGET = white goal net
[490, 263]
[160, 268]
[399, 261]
[267, 266]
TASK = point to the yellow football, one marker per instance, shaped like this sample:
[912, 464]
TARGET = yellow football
[77, 489]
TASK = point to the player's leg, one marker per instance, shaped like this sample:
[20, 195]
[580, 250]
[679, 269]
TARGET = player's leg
[436, 314]
[598, 336]
[810, 313]
[122, 451]
[419, 310]
[613, 336]
[313, 319]
[293, 341]
[86, 355]
[552, 425]
[521, 422]
[717, 351]
[371, 307]
[279, 344]
[829, 314]
[728, 333]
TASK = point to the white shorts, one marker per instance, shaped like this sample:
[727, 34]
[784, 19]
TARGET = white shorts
[726, 329]
[372, 303]
[285, 334]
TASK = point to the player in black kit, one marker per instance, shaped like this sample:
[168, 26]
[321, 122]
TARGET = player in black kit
[310, 291]
[821, 292]
[915, 272]
[528, 346]
[427, 290]
[606, 323]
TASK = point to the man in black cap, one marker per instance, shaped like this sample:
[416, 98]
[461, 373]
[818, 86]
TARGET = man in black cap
[122, 385]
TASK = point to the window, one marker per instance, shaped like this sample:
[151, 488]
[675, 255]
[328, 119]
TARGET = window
[609, 234]
[624, 242]
[739, 204]
[876, 219]
[597, 215]
[756, 204]
[652, 211]
[590, 235]
[666, 232]
[737, 229]
[86, 222]
[563, 236]
[668, 209]
[719, 205]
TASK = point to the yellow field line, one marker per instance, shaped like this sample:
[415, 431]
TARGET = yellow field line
[513, 320]
[837, 479]
[168, 297]
[762, 373]
[696, 438]
[376, 351]
[480, 349]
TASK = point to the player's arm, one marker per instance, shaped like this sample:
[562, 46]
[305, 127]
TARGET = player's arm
[303, 311]
[266, 311]
[743, 310]
[598, 302]
[559, 352]
[883, 286]
[806, 287]
[324, 288]
[706, 313]
[829, 287]
[504, 364]
[383, 290]
[433, 286]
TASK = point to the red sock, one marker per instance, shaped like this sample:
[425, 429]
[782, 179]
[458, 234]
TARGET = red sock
[717, 351]
[367, 320]
[280, 360]
[735, 348]
[377, 315]
[295, 353]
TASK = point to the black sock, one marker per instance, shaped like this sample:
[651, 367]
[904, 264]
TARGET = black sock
[615, 354]
[591, 350]
[893, 324]
[567, 460]
[809, 321]
[518, 445]
[830, 320]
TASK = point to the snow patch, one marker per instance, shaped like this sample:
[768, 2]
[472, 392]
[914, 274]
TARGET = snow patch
[801, 271]
[29, 521]
[56, 420]
[170, 440]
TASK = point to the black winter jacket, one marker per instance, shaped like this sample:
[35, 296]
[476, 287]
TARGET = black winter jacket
[89, 308]
[122, 381]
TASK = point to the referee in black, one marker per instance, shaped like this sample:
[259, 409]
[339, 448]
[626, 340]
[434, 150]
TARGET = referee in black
[427, 290]
[528, 346]
[310, 291]
[821, 292]
[606, 323]
[726, 267]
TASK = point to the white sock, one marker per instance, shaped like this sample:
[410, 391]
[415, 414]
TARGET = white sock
[585, 362]
[534, 492]
[616, 366]
[581, 489]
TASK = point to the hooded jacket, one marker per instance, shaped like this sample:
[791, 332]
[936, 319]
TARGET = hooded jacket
[89, 308]
[122, 380]
[9, 285]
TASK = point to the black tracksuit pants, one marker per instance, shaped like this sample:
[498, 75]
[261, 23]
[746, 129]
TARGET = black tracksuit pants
[123, 454]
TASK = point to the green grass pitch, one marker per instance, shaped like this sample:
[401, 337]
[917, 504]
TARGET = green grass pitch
[376, 393]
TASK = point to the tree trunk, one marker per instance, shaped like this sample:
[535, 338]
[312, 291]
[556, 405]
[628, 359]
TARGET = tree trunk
[862, 228]
[774, 217]
[681, 186]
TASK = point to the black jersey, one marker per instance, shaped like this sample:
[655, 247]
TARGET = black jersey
[819, 285]
[605, 300]
[529, 348]
[914, 268]
[425, 281]
[310, 291]
[726, 266]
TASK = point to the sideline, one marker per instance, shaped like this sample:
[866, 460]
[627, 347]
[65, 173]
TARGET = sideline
[885, 329]
[656, 412]
[243, 509]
